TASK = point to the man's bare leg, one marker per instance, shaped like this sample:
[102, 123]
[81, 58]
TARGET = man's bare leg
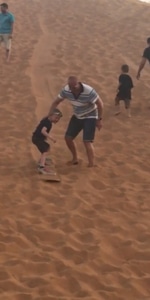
[7, 55]
[90, 153]
[72, 147]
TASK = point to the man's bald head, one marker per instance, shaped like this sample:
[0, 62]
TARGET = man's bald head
[72, 82]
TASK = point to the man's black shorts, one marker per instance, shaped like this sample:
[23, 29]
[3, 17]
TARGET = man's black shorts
[88, 125]
[42, 145]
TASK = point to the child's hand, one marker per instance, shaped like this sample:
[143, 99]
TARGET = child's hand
[52, 139]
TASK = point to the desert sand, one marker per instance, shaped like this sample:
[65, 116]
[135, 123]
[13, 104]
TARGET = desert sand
[88, 236]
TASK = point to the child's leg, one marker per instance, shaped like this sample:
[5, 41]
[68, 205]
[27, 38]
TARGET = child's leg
[43, 169]
[45, 148]
[129, 112]
[117, 104]
[42, 163]
[42, 159]
[128, 107]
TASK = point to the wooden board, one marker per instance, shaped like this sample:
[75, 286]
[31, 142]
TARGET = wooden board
[54, 177]
[50, 178]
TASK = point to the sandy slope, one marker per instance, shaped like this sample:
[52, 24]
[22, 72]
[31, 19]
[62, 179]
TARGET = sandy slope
[87, 237]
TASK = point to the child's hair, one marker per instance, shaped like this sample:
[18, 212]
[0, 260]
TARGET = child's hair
[148, 40]
[5, 5]
[56, 112]
[125, 68]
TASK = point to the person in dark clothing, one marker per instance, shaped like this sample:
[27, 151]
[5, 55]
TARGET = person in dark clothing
[145, 57]
[40, 136]
[124, 90]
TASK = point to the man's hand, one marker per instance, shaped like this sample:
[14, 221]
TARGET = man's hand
[142, 64]
[99, 124]
[54, 104]
[99, 104]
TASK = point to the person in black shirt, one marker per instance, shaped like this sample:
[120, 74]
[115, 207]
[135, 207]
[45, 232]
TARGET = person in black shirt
[124, 90]
[145, 57]
[40, 136]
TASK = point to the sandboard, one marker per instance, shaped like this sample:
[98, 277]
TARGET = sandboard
[49, 162]
[53, 176]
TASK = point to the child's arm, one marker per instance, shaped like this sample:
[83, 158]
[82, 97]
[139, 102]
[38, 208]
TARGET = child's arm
[52, 139]
[120, 83]
[131, 82]
[47, 135]
[118, 87]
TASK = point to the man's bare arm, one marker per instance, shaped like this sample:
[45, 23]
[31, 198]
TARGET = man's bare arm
[55, 103]
[141, 66]
[100, 105]
[12, 29]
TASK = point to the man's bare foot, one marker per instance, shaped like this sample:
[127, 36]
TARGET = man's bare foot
[92, 166]
[72, 162]
[117, 113]
[129, 115]
[7, 60]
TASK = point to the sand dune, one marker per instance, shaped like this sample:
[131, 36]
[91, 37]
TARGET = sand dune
[87, 237]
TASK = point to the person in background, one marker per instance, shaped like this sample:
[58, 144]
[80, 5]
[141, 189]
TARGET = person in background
[145, 57]
[124, 90]
[6, 28]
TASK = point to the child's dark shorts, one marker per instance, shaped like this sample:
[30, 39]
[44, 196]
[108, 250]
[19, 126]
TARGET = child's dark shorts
[41, 144]
[126, 97]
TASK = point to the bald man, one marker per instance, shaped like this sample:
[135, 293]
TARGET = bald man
[87, 115]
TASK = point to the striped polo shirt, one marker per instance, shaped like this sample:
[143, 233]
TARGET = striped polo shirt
[84, 106]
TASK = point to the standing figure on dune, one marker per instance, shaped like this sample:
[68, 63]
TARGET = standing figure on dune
[145, 57]
[87, 115]
[124, 90]
[6, 28]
